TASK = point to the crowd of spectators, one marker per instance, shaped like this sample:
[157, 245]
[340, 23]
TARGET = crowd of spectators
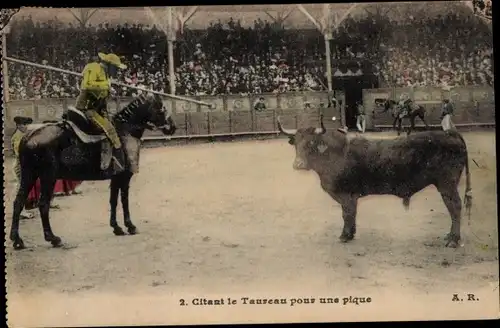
[482, 7]
[447, 51]
[227, 58]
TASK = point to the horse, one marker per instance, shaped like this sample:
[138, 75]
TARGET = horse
[72, 148]
[398, 114]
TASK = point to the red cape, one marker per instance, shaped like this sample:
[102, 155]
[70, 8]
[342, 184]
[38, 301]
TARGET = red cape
[64, 186]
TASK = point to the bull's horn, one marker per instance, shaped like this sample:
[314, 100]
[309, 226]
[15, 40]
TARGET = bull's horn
[322, 129]
[285, 131]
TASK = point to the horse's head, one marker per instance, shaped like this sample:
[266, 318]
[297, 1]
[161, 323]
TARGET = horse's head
[383, 104]
[160, 117]
[150, 113]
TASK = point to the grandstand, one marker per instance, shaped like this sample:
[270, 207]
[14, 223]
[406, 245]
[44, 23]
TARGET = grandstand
[258, 49]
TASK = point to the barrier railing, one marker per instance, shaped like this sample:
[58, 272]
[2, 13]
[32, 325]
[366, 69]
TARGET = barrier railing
[52, 108]
[234, 114]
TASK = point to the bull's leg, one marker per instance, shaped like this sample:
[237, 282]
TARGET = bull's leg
[113, 202]
[453, 203]
[27, 182]
[125, 184]
[349, 210]
[47, 183]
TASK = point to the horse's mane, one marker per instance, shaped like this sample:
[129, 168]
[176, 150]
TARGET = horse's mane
[131, 109]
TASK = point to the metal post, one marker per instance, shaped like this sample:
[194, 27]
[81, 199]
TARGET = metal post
[327, 31]
[5, 65]
[328, 38]
[170, 46]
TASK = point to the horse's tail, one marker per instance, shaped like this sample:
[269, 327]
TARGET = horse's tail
[422, 109]
[27, 155]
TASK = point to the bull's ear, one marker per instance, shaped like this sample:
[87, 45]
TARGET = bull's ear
[291, 140]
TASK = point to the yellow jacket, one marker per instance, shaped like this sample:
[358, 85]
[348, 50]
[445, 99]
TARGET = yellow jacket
[95, 80]
[16, 141]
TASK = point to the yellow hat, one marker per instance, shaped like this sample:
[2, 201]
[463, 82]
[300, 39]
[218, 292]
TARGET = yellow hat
[112, 59]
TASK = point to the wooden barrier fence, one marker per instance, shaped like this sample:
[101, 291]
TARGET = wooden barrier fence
[234, 114]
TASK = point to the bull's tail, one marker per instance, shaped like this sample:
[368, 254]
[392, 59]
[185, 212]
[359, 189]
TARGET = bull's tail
[468, 187]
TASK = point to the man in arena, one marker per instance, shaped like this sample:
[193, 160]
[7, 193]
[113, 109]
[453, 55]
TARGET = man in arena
[447, 112]
[360, 117]
[94, 91]
[259, 105]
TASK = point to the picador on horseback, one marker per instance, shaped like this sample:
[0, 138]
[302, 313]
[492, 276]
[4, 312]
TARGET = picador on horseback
[404, 105]
[95, 89]
[404, 108]
[72, 148]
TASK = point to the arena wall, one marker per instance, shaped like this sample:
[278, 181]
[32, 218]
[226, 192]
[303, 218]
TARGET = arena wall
[234, 114]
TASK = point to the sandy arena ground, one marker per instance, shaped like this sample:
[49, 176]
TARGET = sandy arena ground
[235, 217]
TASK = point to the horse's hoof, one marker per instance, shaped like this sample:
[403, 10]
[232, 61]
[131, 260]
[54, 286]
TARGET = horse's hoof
[118, 231]
[19, 244]
[56, 241]
[345, 238]
[132, 230]
[452, 244]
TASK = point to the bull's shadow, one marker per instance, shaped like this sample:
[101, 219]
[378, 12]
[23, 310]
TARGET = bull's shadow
[72, 149]
[352, 168]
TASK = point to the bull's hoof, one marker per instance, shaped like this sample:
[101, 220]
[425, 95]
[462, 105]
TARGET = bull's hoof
[18, 244]
[118, 231]
[452, 241]
[132, 230]
[56, 241]
[344, 238]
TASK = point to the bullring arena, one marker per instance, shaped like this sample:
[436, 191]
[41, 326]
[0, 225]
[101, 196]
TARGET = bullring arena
[219, 209]
[234, 217]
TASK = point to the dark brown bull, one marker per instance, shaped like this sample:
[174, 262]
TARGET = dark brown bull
[351, 168]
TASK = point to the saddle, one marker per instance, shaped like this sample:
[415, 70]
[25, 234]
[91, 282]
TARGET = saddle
[87, 133]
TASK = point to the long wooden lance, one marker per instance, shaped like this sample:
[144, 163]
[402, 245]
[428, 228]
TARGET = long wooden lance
[52, 68]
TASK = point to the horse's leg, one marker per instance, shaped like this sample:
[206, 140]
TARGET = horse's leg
[400, 122]
[27, 182]
[421, 115]
[113, 202]
[412, 124]
[124, 188]
[47, 183]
